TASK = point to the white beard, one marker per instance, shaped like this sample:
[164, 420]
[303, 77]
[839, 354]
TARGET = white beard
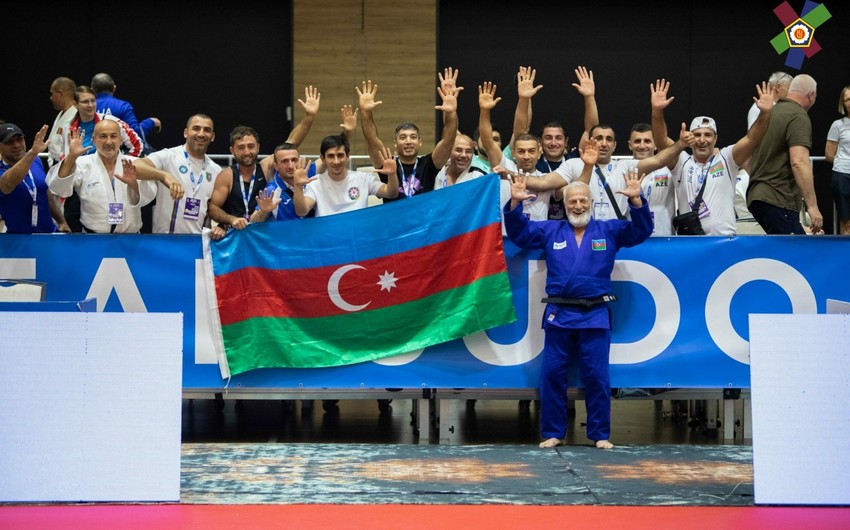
[579, 221]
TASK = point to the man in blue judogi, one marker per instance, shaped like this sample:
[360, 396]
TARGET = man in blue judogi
[580, 254]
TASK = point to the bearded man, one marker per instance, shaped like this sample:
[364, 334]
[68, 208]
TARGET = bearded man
[580, 254]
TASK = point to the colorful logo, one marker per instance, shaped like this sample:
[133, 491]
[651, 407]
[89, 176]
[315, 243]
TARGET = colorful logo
[597, 244]
[798, 37]
[353, 193]
[184, 170]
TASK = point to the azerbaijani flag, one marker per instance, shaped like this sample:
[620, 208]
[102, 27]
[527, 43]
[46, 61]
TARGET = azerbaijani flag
[360, 286]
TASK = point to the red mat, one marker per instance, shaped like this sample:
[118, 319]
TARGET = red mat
[400, 517]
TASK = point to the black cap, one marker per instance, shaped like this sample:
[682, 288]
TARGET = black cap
[9, 131]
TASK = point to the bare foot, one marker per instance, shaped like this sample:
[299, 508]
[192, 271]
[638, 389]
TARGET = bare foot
[552, 442]
[604, 444]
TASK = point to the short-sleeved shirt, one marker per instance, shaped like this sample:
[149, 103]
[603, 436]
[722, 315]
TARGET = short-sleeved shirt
[839, 132]
[717, 212]
[771, 178]
[536, 208]
[614, 174]
[16, 206]
[349, 194]
[660, 191]
[186, 215]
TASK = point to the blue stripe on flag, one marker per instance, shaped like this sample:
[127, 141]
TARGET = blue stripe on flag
[369, 233]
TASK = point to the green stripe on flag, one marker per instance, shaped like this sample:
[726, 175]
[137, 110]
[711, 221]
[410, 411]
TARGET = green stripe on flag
[368, 335]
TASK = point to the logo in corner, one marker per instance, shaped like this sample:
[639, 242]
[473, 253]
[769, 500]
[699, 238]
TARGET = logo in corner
[798, 37]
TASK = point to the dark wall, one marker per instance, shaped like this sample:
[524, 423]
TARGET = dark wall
[170, 60]
[713, 53]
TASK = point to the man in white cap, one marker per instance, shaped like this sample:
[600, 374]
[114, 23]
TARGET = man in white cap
[718, 170]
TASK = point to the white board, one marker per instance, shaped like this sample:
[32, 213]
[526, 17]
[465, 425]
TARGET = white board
[91, 406]
[800, 379]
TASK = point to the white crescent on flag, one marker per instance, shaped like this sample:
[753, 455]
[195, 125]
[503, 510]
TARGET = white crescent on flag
[333, 289]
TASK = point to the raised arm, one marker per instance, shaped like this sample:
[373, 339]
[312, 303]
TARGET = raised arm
[668, 156]
[310, 104]
[487, 100]
[449, 92]
[366, 100]
[349, 121]
[13, 176]
[303, 204]
[266, 203]
[744, 147]
[586, 87]
[129, 177]
[659, 101]
[388, 168]
[525, 91]
[589, 155]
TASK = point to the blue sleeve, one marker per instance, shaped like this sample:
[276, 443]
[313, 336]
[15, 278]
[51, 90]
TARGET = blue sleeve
[639, 228]
[523, 232]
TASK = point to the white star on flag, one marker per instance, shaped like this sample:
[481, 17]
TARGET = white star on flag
[387, 280]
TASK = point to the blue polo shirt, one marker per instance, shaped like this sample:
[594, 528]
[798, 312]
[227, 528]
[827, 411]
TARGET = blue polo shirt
[16, 207]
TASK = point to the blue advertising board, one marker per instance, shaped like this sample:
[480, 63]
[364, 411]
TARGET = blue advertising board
[681, 319]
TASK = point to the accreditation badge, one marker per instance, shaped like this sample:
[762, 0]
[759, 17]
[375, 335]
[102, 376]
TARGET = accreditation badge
[115, 214]
[192, 210]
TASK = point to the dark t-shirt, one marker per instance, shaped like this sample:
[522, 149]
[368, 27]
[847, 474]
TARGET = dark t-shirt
[772, 180]
[414, 178]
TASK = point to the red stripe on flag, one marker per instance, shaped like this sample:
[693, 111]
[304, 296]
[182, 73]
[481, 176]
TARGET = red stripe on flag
[407, 276]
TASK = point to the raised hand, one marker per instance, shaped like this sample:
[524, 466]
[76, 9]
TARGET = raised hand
[311, 100]
[525, 83]
[519, 192]
[389, 165]
[765, 100]
[39, 143]
[449, 99]
[75, 143]
[487, 96]
[300, 178]
[448, 82]
[129, 177]
[349, 119]
[367, 96]
[658, 94]
[585, 86]
[266, 201]
[589, 151]
[633, 181]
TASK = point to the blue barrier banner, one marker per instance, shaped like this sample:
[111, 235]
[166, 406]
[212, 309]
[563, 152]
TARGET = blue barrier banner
[681, 319]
